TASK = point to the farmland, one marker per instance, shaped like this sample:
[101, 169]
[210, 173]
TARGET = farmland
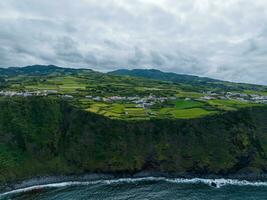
[128, 98]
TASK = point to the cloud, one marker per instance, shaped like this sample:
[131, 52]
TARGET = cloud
[215, 38]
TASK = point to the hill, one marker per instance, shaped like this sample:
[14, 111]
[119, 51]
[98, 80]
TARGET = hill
[66, 121]
[38, 70]
[202, 82]
[164, 76]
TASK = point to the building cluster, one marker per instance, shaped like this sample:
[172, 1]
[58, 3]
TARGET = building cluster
[147, 101]
[140, 102]
[34, 93]
[28, 93]
[256, 98]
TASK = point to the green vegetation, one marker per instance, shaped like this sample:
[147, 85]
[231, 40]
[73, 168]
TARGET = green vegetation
[186, 113]
[63, 121]
[63, 84]
[230, 104]
[182, 104]
[184, 94]
[195, 83]
[179, 109]
[49, 136]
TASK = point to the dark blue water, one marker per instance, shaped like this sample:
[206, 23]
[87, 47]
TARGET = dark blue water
[145, 188]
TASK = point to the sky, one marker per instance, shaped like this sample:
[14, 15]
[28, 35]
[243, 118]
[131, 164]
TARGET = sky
[215, 38]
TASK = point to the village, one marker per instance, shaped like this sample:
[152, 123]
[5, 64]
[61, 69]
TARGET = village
[28, 93]
[147, 101]
[254, 98]
[140, 102]
[151, 100]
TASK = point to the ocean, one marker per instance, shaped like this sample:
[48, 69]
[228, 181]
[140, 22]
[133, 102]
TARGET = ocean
[150, 188]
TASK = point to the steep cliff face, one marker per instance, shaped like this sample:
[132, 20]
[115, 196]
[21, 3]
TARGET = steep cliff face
[48, 136]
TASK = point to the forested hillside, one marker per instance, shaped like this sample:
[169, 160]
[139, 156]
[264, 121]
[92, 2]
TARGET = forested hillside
[49, 136]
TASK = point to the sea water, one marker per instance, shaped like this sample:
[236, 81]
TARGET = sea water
[154, 188]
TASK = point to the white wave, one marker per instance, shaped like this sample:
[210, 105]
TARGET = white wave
[211, 182]
[217, 182]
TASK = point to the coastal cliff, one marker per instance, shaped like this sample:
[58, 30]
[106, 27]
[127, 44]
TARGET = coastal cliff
[49, 136]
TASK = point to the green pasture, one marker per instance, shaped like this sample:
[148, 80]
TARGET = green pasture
[185, 113]
[185, 94]
[181, 110]
[230, 104]
[183, 104]
[63, 84]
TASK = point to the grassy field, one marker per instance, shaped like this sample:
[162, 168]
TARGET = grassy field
[67, 84]
[230, 104]
[184, 94]
[185, 113]
[180, 109]
[192, 113]
[118, 111]
[182, 104]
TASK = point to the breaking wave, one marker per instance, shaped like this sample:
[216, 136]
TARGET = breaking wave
[211, 182]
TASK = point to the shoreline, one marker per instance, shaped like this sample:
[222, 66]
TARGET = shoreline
[90, 177]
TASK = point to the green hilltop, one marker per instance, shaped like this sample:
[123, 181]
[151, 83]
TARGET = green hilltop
[190, 80]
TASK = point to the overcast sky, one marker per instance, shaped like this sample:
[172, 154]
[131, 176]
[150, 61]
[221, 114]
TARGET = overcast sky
[225, 39]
